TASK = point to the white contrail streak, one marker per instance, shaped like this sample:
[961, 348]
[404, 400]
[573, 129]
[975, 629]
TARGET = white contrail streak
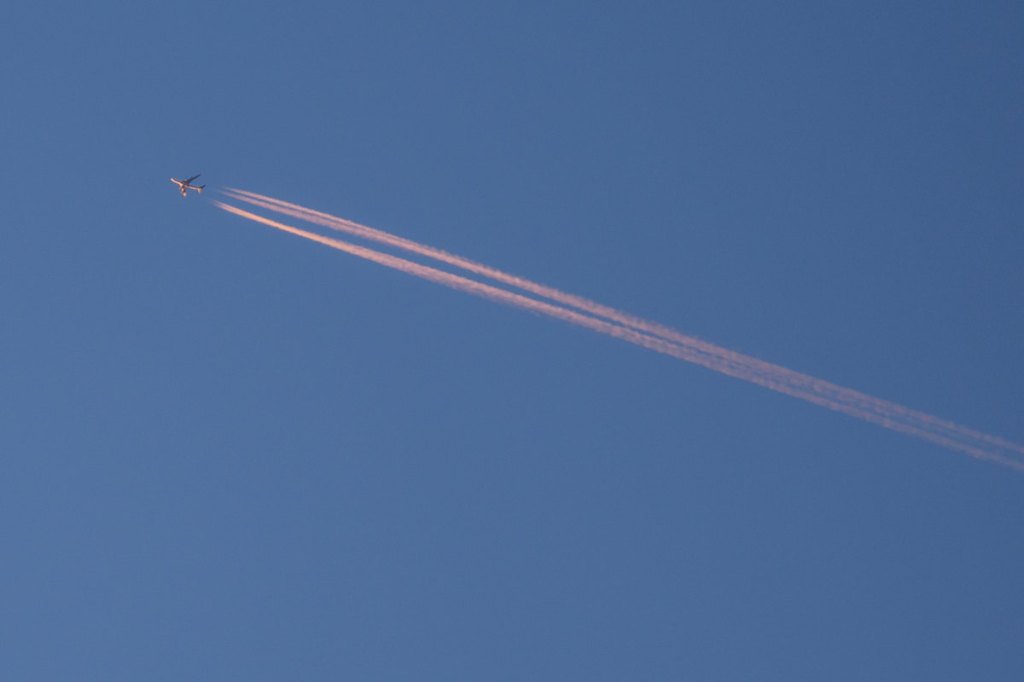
[712, 361]
[771, 372]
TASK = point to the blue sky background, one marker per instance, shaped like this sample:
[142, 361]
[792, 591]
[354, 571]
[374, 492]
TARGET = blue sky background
[232, 454]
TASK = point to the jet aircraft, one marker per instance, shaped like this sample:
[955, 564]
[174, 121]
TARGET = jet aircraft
[186, 185]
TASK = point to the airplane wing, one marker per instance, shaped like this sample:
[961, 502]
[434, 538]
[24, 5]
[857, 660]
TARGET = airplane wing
[193, 178]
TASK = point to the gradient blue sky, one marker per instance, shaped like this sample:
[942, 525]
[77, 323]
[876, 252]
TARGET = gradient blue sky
[232, 454]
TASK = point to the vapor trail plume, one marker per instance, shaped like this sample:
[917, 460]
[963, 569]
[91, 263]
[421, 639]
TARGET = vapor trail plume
[710, 361]
[777, 374]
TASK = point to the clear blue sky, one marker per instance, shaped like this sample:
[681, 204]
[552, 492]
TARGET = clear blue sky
[228, 453]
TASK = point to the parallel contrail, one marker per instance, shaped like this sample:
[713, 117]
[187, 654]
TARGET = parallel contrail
[716, 362]
[771, 372]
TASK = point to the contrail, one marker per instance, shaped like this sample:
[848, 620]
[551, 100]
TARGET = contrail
[710, 361]
[778, 374]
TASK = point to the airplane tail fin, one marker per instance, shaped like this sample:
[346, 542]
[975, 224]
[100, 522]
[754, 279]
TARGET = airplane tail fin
[200, 188]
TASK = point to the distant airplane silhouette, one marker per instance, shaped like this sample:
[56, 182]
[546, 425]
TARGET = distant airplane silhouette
[186, 185]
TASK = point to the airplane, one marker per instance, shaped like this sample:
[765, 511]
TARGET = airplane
[185, 185]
